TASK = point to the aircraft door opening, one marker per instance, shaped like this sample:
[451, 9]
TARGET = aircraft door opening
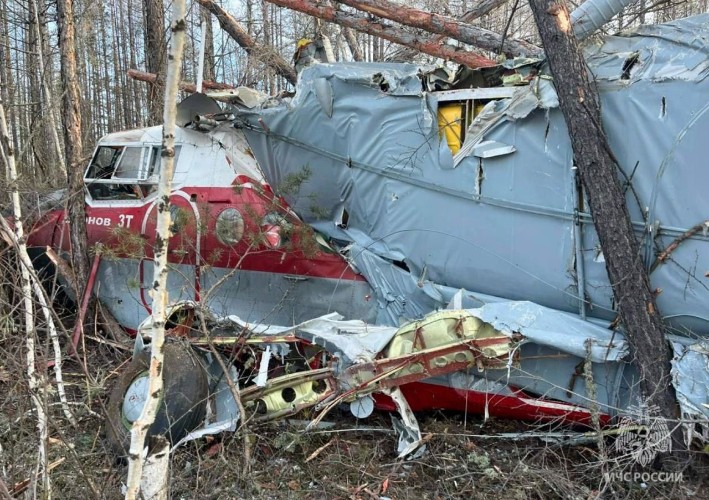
[184, 250]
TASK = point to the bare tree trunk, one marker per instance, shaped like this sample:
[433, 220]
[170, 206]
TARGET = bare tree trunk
[208, 45]
[119, 69]
[353, 44]
[266, 36]
[598, 169]
[71, 106]
[242, 37]
[36, 385]
[443, 25]
[155, 56]
[392, 33]
[9, 88]
[139, 117]
[47, 93]
[158, 290]
[38, 141]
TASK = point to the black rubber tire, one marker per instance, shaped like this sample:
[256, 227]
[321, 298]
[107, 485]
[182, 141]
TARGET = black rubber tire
[182, 406]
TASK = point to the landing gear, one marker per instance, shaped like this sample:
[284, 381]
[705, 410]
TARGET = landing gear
[182, 406]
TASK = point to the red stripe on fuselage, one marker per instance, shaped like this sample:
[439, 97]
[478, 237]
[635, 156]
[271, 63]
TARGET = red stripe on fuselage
[299, 256]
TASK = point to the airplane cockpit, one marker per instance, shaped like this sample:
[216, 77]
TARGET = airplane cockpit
[119, 172]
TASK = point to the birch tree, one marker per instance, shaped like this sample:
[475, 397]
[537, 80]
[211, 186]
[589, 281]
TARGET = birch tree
[36, 385]
[158, 290]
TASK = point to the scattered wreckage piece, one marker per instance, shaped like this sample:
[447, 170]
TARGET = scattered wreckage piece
[326, 362]
[181, 411]
[333, 369]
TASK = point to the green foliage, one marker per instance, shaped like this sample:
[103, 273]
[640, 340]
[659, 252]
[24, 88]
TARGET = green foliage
[179, 218]
[293, 182]
[319, 213]
[125, 243]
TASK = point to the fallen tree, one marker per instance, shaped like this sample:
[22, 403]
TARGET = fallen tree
[598, 169]
[478, 10]
[426, 44]
[443, 25]
[261, 52]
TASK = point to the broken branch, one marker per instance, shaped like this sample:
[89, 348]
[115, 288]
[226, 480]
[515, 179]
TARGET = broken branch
[392, 33]
[665, 254]
[263, 53]
[184, 86]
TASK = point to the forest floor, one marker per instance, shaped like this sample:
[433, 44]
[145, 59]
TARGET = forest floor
[465, 455]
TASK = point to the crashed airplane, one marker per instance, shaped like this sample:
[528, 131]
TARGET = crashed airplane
[407, 238]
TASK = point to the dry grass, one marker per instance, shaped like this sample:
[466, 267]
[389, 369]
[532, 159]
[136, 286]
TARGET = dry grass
[352, 459]
[349, 460]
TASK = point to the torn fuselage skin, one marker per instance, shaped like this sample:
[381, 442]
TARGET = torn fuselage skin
[445, 359]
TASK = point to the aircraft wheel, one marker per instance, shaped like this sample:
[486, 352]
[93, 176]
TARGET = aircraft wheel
[181, 408]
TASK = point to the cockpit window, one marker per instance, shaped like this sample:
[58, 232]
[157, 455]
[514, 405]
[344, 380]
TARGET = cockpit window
[124, 172]
[104, 162]
[129, 166]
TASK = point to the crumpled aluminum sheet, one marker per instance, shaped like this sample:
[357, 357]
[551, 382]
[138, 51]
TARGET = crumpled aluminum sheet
[670, 51]
[553, 328]
[502, 226]
[690, 378]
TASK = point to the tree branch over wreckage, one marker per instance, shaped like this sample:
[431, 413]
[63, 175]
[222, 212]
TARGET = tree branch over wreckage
[423, 43]
[442, 25]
